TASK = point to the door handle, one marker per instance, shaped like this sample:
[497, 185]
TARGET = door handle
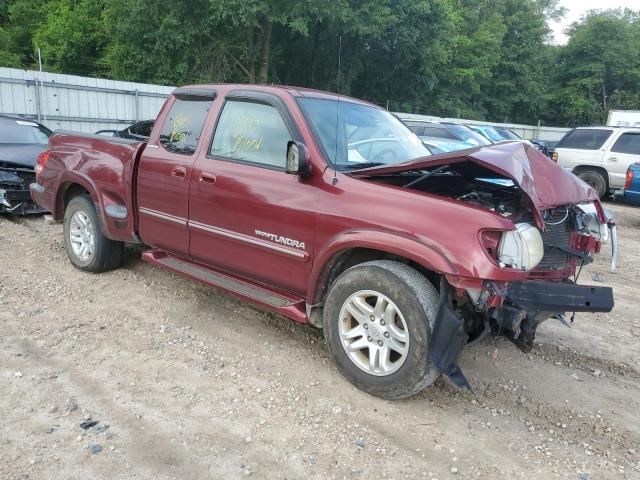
[613, 159]
[179, 172]
[207, 177]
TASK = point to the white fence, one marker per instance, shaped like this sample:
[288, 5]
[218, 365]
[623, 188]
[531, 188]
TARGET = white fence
[90, 104]
[78, 103]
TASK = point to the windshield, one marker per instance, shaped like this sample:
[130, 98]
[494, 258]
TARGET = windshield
[23, 132]
[358, 136]
[468, 135]
[508, 134]
[489, 132]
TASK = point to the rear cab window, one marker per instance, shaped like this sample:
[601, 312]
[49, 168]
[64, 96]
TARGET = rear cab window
[585, 139]
[183, 126]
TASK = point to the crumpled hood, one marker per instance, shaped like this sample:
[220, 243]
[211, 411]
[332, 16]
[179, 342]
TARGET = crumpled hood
[545, 182]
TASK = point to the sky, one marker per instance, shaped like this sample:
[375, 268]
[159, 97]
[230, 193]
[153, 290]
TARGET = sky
[576, 8]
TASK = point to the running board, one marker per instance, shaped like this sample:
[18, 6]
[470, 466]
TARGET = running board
[284, 303]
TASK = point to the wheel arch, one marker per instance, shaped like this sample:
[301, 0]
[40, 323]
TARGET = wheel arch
[354, 248]
[596, 168]
[68, 189]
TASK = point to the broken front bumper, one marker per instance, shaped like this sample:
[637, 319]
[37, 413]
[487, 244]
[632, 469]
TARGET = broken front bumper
[18, 201]
[524, 306]
[15, 196]
[559, 297]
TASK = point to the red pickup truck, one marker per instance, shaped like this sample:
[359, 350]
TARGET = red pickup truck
[330, 211]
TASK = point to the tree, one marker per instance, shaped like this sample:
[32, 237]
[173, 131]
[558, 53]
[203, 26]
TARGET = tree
[254, 22]
[599, 68]
[475, 59]
[72, 38]
[21, 18]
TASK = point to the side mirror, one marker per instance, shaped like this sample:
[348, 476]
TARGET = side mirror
[298, 159]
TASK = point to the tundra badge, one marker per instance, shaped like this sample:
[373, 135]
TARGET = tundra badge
[283, 240]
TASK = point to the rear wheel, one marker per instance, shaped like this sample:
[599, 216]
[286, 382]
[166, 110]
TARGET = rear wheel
[378, 318]
[87, 247]
[595, 180]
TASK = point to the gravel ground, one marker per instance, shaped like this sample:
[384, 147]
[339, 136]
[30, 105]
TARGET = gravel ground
[189, 383]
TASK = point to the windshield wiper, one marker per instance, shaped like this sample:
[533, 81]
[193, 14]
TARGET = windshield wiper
[426, 175]
[360, 166]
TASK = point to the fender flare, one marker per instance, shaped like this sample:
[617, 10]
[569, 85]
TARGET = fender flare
[429, 256]
[66, 180]
[69, 178]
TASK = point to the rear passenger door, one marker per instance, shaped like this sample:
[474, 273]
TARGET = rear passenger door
[624, 152]
[247, 215]
[165, 169]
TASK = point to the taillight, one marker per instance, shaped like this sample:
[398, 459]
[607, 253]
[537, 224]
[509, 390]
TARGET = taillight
[627, 183]
[42, 159]
[554, 157]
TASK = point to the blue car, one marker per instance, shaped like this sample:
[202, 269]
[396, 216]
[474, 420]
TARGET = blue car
[632, 185]
[495, 134]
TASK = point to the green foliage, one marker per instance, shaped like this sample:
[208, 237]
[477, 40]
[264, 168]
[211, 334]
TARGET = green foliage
[482, 59]
[599, 68]
[72, 38]
[8, 57]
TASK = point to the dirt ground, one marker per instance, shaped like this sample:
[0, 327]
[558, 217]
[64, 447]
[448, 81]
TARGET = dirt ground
[189, 383]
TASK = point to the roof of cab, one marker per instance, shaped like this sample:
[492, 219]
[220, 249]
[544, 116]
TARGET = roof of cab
[277, 89]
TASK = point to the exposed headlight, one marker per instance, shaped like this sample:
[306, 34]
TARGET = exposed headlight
[521, 248]
[589, 224]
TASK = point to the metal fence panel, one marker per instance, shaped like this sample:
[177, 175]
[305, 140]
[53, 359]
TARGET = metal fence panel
[90, 104]
[78, 103]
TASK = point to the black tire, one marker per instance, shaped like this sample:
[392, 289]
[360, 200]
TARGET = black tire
[107, 253]
[415, 297]
[595, 180]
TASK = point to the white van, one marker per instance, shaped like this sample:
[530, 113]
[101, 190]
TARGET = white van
[599, 155]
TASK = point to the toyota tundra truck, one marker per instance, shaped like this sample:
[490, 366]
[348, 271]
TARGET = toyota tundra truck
[331, 212]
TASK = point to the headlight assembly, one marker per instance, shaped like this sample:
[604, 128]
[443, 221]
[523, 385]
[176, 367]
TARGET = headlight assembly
[521, 248]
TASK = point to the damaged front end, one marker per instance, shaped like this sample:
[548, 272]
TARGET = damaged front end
[553, 258]
[15, 197]
[558, 225]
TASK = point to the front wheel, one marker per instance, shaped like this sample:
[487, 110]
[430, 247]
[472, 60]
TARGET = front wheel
[378, 318]
[86, 246]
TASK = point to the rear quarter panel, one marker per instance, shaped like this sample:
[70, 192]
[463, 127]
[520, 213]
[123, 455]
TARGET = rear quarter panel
[105, 168]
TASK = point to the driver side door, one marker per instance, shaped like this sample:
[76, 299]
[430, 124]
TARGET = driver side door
[246, 214]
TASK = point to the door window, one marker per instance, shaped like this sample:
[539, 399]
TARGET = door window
[627, 143]
[585, 139]
[182, 128]
[251, 132]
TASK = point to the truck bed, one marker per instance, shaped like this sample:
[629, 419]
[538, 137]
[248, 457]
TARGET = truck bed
[104, 167]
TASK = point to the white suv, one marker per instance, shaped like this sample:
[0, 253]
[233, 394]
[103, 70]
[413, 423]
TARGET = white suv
[599, 155]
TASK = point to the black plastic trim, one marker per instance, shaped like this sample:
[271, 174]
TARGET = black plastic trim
[560, 297]
[198, 92]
